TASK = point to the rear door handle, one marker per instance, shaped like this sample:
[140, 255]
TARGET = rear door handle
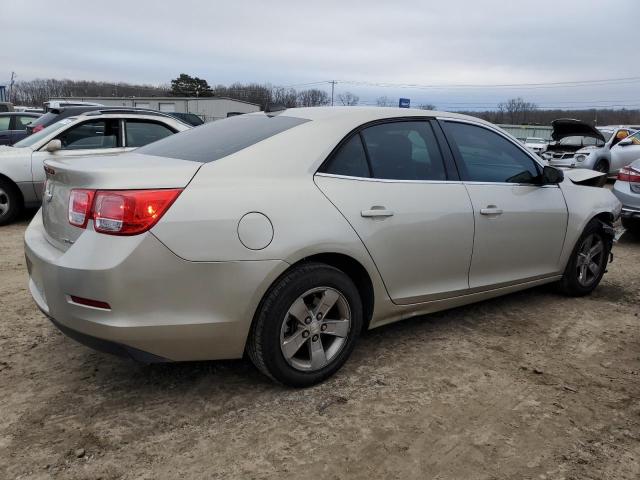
[377, 211]
[491, 210]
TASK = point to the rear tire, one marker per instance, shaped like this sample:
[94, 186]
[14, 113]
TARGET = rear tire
[587, 263]
[10, 202]
[306, 326]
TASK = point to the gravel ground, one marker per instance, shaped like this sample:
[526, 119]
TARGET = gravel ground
[531, 385]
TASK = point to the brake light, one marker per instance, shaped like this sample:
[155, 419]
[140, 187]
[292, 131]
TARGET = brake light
[629, 174]
[37, 128]
[123, 212]
[80, 201]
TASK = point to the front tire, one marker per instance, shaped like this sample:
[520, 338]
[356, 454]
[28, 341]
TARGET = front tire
[588, 261]
[10, 202]
[306, 326]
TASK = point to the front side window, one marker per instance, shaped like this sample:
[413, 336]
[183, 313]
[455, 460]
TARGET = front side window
[94, 134]
[4, 123]
[487, 156]
[404, 151]
[143, 132]
[635, 138]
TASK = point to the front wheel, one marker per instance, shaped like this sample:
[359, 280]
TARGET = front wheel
[10, 202]
[588, 261]
[307, 325]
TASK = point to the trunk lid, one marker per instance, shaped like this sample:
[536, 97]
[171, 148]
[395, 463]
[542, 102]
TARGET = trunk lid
[123, 172]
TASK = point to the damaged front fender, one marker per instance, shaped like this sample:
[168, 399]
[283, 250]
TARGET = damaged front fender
[582, 176]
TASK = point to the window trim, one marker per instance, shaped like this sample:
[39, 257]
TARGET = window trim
[123, 126]
[452, 176]
[497, 131]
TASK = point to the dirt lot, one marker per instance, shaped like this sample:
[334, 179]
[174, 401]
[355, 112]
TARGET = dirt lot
[532, 385]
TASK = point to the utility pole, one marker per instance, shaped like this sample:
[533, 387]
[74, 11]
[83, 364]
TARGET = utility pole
[13, 75]
[333, 86]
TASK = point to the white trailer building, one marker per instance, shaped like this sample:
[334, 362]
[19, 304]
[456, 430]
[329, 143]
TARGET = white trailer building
[208, 108]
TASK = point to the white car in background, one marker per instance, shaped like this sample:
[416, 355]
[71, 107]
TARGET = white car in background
[96, 132]
[538, 145]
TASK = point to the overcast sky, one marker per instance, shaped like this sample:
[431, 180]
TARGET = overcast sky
[450, 42]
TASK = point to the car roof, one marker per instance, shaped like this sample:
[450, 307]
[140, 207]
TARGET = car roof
[364, 114]
[28, 114]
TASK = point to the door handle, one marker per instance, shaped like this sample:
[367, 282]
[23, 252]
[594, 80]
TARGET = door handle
[377, 211]
[491, 210]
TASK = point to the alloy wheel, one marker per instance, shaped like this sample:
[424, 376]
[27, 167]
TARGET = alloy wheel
[315, 329]
[590, 260]
[4, 202]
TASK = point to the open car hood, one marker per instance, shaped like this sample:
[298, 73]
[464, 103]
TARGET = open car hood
[569, 127]
[582, 176]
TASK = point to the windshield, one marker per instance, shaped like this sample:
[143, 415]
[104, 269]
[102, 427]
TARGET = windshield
[580, 141]
[606, 134]
[535, 140]
[36, 137]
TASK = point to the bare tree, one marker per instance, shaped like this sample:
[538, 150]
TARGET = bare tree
[348, 98]
[427, 106]
[384, 102]
[517, 110]
[313, 98]
[287, 97]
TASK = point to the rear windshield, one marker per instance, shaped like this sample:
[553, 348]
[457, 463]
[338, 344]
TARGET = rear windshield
[46, 119]
[218, 139]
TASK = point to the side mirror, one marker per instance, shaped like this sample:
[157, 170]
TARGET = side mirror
[53, 146]
[626, 142]
[551, 175]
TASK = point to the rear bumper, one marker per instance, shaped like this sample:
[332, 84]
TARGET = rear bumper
[630, 200]
[162, 308]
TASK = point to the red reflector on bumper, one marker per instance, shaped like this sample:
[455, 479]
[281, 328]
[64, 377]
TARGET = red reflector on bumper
[87, 302]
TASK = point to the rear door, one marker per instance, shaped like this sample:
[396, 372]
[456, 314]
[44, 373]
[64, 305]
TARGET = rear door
[102, 136]
[391, 182]
[519, 225]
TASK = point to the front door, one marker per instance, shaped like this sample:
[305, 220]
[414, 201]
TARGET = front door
[520, 225]
[390, 182]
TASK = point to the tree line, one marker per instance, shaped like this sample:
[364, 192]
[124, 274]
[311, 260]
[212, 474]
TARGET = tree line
[514, 111]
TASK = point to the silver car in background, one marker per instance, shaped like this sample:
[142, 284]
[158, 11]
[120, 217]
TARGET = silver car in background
[286, 234]
[580, 145]
[627, 189]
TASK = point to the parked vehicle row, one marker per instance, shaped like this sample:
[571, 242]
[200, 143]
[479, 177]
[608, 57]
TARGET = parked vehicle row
[580, 145]
[73, 132]
[285, 235]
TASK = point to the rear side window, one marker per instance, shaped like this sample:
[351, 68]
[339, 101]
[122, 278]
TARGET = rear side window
[404, 151]
[143, 132]
[4, 123]
[489, 157]
[349, 160]
[218, 139]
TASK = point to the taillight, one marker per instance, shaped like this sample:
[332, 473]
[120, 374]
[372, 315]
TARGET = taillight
[37, 128]
[122, 212]
[80, 201]
[629, 174]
